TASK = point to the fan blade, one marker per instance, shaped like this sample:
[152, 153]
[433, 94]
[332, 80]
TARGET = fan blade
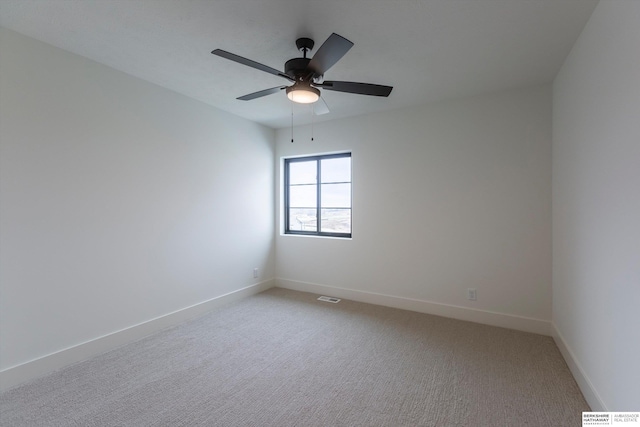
[261, 93]
[320, 107]
[359, 88]
[250, 63]
[329, 53]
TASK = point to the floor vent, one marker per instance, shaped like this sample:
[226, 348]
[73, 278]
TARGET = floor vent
[329, 299]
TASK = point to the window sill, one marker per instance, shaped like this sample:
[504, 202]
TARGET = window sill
[311, 236]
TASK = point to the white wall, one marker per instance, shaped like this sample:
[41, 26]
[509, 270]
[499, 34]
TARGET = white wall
[120, 201]
[446, 197]
[596, 207]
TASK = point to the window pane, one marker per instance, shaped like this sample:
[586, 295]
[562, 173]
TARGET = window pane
[303, 220]
[303, 172]
[336, 170]
[336, 220]
[303, 196]
[336, 195]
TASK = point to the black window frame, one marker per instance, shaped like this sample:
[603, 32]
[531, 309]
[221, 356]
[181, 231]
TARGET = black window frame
[318, 158]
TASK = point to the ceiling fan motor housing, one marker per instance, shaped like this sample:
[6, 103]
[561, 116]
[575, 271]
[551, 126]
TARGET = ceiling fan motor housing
[297, 67]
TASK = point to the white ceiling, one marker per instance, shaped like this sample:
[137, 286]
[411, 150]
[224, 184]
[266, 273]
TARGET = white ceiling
[429, 50]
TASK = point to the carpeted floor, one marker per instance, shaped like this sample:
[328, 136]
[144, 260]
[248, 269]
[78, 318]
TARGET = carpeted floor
[281, 358]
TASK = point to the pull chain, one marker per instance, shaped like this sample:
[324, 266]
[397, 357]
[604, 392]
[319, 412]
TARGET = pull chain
[313, 113]
[292, 122]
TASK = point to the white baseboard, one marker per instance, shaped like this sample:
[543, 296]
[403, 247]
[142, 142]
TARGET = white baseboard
[586, 386]
[509, 321]
[27, 371]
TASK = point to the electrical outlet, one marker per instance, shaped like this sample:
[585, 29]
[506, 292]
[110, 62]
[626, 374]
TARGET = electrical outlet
[255, 273]
[471, 295]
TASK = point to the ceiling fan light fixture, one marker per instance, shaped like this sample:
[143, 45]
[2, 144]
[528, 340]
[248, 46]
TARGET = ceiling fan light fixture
[303, 94]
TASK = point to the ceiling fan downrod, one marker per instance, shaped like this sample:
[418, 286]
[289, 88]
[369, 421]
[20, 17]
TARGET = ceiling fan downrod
[304, 45]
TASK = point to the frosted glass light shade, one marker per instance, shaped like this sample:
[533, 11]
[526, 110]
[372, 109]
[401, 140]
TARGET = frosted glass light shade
[303, 94]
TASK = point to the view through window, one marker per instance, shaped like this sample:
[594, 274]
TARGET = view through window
[318, 195]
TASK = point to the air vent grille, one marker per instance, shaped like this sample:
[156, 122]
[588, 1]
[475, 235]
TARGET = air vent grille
[329, 299]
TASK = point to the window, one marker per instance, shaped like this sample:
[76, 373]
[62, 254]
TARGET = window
[317, 195]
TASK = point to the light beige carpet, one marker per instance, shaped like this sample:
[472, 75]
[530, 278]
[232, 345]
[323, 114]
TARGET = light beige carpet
[281, 358]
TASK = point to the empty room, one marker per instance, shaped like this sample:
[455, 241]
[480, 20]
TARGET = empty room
[319, 213]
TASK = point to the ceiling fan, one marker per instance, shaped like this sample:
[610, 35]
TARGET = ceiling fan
[307, 73]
